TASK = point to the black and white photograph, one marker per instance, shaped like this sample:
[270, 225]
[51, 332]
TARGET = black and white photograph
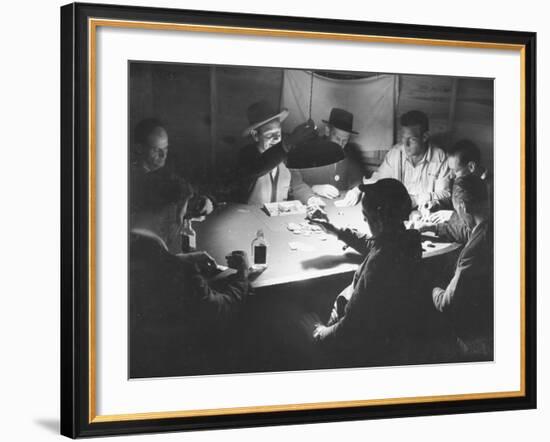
[296, 219]
[275, 221]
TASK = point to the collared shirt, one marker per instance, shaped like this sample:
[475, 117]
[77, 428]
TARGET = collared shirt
[428, 180]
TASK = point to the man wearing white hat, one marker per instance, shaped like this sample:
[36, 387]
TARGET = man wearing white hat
[262, 171]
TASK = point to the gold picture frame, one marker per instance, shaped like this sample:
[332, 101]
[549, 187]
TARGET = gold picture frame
[79, 27]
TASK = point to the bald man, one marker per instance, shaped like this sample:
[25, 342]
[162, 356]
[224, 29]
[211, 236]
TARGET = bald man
[150, 146]
[150, 171]
[149, 153]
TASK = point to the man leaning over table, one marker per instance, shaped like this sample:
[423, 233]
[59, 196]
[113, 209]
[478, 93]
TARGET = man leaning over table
[415, 161]
[464, 159]
[261, 173]
[372, 317]
[178, 317]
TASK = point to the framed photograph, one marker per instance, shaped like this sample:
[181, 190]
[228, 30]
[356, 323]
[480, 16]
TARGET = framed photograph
[279, 220]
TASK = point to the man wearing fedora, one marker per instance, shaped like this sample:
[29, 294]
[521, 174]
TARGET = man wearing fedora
[309, 185]
[262, 172]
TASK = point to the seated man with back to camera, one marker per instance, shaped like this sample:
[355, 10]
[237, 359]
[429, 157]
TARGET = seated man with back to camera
[464, 159]
[311, 185]
[467, 301]
[373, 315]
[415, 162]
[177, 317]
[261, 172]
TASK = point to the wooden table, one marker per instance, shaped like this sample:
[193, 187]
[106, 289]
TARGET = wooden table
[234, 226]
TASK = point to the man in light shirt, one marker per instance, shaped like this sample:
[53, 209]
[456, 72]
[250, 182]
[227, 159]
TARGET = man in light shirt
[416, 162]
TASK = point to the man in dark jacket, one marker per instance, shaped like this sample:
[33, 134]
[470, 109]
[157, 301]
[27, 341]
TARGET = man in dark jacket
[177, 317]
[311, 185]
[373, 315]
[467, 301]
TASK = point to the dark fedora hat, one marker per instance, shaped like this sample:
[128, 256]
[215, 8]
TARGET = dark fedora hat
[341, 119]
[260, 113]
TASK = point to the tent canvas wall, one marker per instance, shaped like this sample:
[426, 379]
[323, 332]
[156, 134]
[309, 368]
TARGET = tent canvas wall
[371, 100]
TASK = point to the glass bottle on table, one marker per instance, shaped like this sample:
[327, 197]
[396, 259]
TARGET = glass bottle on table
[188, 237]
[259, 251]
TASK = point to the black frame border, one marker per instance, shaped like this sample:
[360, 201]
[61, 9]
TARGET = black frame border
[75, 219]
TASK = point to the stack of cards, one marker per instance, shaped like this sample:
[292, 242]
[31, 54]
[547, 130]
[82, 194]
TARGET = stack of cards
[304, 228]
